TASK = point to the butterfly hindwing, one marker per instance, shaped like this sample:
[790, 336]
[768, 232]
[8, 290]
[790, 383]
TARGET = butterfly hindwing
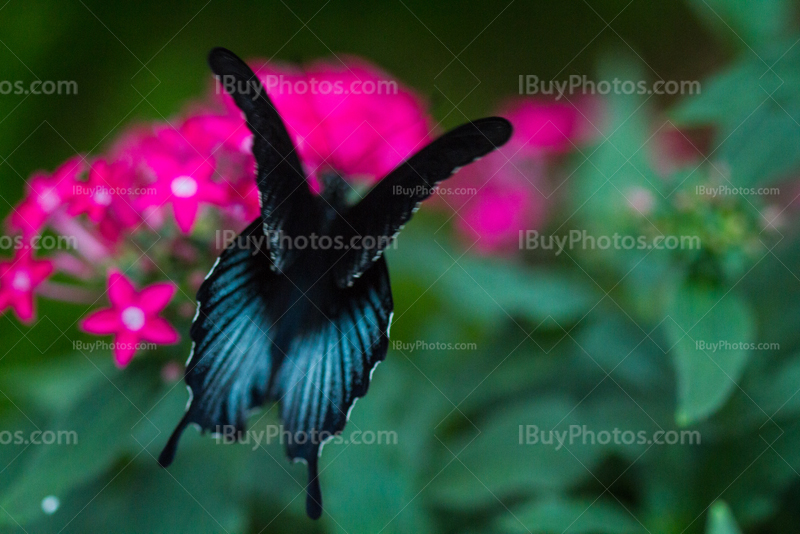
[233, 357]
[313, 351]
[287, 205]
[375, 220]
[344, 334]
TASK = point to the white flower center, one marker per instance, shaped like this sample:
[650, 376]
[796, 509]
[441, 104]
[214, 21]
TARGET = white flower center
[184, 187]
[102, 197]
[133, 318]
[21, 281]
[48, 199]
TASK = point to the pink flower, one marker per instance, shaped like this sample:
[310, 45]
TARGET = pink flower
[133, 317]
[46, 194]
[350, 118]
[208, 132]
[543, 127]
[104, 197]
[244, 204]
[183, 178]
[503, 198]
[19, 277]
[507, 191]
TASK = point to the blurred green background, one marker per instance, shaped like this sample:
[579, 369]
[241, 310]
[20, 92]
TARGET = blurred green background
[588, 338]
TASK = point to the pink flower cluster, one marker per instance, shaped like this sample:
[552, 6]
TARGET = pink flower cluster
[349, 117]
[145, 202]
[508, 191]
[153, 200]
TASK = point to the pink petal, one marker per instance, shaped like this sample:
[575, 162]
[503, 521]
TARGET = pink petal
[158, 330]
[214, 193]
[542, 126]
[102, 322]
[162, 164]
[120, 290]
[124, 348]
[5, 301]
[39, 271]
[67, 172]
[185, 211]
[201, 169]
[23, 307]
[495, 217]
[28, 217]
[155, 298]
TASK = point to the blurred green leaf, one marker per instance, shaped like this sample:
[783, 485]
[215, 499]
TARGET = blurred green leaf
[512, 451]
[570, 517]
[490, 289]
[772, 387]
[620, 164]
[756, 105]
[708, 329]
[59, 383]
[195, 495]
[107, 421]
[618, 346]
[721, 520]
[365, 469]
[778, 312]
[747, 22]
[496, 289]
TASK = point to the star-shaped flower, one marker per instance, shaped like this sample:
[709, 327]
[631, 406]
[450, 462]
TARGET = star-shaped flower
[183, 178]
[133, 317]
[105, 198]
[18, 279]
[45, 195]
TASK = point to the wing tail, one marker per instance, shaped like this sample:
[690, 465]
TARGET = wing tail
[328, 366]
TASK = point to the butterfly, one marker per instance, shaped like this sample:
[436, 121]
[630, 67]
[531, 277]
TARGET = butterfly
[305, 326]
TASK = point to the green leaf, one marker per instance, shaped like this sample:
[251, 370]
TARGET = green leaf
[756, 106]
[721, 520]
[620, 164]
[513, 452]
[500, 288]
[746, 23]
[710, 330]
[103, 424]
[570, 517]
[369, 484]
[59, 383]
[618, 345]
[775, 389]
[490, 289]
[194, 495]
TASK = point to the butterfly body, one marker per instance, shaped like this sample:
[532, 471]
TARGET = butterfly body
[297, 309]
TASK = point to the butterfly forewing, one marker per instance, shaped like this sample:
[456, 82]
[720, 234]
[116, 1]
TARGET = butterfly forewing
[370, 225]
[287, 205]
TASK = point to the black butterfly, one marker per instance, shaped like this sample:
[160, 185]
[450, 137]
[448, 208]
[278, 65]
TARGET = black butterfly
[305, 327]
